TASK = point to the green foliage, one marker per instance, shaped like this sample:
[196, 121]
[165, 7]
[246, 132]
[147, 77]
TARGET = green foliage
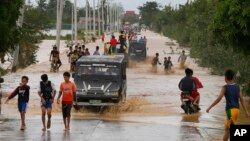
[148, 11]
[217, 32]
[9, 12]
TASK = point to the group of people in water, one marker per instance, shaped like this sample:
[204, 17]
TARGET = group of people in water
[168, 62]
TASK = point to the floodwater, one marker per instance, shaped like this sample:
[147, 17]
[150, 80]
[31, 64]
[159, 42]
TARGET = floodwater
[152, 110]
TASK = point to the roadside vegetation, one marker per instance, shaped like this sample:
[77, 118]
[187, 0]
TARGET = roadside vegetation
[217, 32]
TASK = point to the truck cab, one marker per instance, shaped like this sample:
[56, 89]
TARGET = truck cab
[100, 80]
[137, 51]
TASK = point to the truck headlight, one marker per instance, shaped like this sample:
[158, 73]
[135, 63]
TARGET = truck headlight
[112, 93]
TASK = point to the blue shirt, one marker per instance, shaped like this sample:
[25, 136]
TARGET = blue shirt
[232, 95]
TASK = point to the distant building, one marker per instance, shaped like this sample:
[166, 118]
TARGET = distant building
[130, 13]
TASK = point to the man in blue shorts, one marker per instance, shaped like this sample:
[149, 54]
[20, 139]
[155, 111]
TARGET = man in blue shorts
[47, 92]
[23, 92]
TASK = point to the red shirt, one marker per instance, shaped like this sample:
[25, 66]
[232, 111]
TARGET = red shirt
[113, 42]
[198, 84]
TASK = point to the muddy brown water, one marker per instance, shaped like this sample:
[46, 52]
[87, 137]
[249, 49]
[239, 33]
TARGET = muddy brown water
[152, 95]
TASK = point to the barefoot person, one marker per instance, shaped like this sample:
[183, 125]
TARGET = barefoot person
[233, 95]
[67, 91]
[23, 92]
[47, 92]
[182, 59]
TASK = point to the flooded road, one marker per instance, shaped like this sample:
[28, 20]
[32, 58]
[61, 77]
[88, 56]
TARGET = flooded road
[152, 110]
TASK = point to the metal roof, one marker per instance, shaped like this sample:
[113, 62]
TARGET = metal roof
[102, 59]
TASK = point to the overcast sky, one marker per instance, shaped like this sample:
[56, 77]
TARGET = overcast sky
[131, 4]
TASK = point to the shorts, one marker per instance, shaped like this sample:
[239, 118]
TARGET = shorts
[59, 61]
[182, 63]
[232, 116]
[66, 110]
[22, 106]
[187, 96]
[195, 94]
[47, 105]
[113, 49]
[73, 63]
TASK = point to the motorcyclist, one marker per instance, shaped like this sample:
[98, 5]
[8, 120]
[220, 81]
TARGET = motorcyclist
[187, 85]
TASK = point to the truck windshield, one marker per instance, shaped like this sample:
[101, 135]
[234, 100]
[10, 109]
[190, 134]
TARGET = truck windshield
[98, 70]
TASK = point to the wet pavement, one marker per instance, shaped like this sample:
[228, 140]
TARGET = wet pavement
[152, 110]
[101, 130]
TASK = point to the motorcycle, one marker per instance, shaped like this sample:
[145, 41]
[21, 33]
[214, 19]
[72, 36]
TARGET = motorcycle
[54, 65]
[1, 81]
[187, 105]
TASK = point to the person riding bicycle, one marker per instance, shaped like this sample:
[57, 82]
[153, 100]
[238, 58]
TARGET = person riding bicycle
[55, 59]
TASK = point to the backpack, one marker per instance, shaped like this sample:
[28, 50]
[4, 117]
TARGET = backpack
[46, 90]
[187, 84]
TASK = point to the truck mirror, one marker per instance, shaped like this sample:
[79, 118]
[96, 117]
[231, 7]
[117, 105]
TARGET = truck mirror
[1, 80]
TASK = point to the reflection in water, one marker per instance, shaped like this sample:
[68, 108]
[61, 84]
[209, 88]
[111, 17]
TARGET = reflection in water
[189, 133]
[46, 136]
[66, 136]
[191, 118]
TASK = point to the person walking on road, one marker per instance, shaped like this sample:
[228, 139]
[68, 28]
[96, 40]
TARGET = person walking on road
[113, 44]
[233, 94]
[87, 53]
[182, 59]
[23, 92]
[97, 51]
[47, 92]
[68, 92]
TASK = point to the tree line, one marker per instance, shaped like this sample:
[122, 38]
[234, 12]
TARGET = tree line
[217, 32]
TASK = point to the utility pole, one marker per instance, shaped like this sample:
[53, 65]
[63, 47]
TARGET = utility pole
[99, 19]
[60, 4]
[86, 19]
[94, 17]
[110, 18]
[17, 47]
[72, 22]
[107, 22]
[102, 1]
[75, 18]
[89, 10]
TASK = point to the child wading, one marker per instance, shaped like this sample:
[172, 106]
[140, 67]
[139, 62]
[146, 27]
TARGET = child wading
[67, 91]
[23, 92]
[233, 94]
[47, 92]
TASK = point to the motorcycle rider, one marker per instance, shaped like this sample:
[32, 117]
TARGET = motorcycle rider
[187, 85]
